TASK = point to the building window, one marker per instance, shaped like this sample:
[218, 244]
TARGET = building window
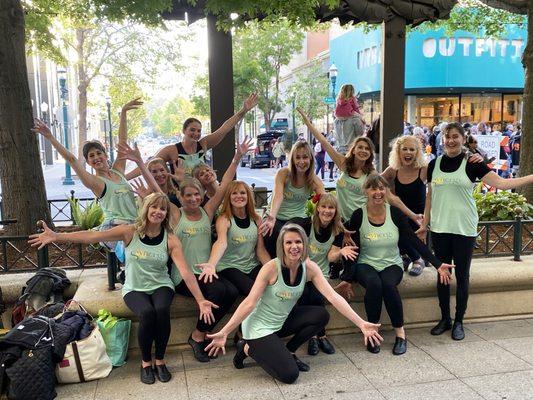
[431, 111]
[512, 108]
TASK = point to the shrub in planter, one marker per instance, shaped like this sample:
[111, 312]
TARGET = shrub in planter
[88, 218]
[501, 206]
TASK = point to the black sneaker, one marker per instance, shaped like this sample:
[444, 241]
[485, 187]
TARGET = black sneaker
[325, 345]
[301, 365]
[443, 326]
[400, 346]
[240, 355]
[198, 350]
[458, 333]
[312, 346]
[147, 375]
[162, 373]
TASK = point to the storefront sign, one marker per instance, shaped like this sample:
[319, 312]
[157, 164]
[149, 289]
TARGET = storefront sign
[490, 144]
[468, 46]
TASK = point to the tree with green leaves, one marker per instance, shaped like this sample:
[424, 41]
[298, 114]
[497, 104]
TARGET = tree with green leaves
[121, 90]
[168, 118]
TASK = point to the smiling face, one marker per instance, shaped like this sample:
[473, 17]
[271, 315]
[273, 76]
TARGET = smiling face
[157, 213]
[301, 159]
[159, 173]
[293, 247]
[326, 213]
[453, 142]
[239, 197]
[376, 195]
[408, 152]
[361, 151]
[193, 131]
[191, 197]
[97, 159]
[206, 176]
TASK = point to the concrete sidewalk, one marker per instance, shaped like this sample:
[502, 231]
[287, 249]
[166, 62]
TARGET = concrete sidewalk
[494, 362]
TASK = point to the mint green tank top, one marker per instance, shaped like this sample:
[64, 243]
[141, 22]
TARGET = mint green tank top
[192, 160]
[350, 194]
[453, 209]
[294, 202]
[273, 307]
[118, 202]
[379, 244]
[195, 237]
[318, 252]
[146, 266]
[240, 251]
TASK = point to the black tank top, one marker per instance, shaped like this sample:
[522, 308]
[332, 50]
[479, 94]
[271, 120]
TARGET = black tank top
[412, 194]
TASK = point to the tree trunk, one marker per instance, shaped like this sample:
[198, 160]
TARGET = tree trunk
[83, 84]
[268, 121]
[21, 174]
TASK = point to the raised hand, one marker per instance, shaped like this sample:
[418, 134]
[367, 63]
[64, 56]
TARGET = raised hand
[44, 238]
[304, 116]
[42, 128]
[250, 102]
[345, 289]
[125, 152]
[243, 147]
[218, 342]
[179, 170]
[206, 311]
[445, 275]
[140, 189]
[132, 105]
[370, 333]
[208, 272]
[267, 225]
[349, 252]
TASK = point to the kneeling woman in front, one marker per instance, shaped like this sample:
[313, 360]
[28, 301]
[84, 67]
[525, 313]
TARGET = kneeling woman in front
[148, 289]
[379, 227]
[269, 312]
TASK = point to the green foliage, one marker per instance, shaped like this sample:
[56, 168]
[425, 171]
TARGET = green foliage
[122, 89]
[200, 97]
[501, 206]
[88, 218]
[168, 119]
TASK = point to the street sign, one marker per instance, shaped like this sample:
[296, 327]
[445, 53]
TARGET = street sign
[329, 100]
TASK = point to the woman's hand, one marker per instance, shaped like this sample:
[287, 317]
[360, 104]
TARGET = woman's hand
[125, 152]
[371, 333]
[349, 252]
[242, 148]
[445, 275]
[422, 232]
[140, 189]
[475, 158]
[132, 105]
[40, 127]
[179, 170]
[208, 272]
[250, 102]
[218, 342]
[418, 219]
[347, 239]
[44, 238]
[345, 289]
[267, 225]
[206, 311]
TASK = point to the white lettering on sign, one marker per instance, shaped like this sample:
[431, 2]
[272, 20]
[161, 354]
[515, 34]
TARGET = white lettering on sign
[447, 47]
[489, 143]
[368, 57]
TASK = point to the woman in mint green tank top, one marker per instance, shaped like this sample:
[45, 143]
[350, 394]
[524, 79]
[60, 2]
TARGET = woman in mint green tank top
[148, 290]
[452, 217]
[292, 188]
[270, 313]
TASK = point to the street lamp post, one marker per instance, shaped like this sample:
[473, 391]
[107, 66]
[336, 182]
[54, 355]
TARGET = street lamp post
[333, 77]
[111, 154]
[64, 99]
[293, 119]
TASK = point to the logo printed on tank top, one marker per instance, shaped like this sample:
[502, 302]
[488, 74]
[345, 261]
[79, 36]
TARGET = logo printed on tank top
[288, 195]
[442, 180]
[285, 295]
[147, 255]
[314, 249]
[193, 231]
[122, 191]
[345, 184]
[240, 239]
[373, 236]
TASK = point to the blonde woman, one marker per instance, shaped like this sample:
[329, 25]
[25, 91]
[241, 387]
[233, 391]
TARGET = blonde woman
[166, 181]
[208, 178]
[148, 290]
[293, 186]
[349, 122]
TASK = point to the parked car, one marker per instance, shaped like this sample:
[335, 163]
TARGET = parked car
[260, 153]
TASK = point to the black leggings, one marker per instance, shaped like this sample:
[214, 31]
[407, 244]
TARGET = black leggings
[153, 311]
[312, 297]
[270, 241]
[220, 291]
[271, 353]
[407, 248]
[241, 281]
[331, 166]
[382, 286]
[450, 247]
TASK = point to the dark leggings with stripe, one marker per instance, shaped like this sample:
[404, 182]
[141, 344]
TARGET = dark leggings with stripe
[241, 281]
[153, 311]
[274, 356]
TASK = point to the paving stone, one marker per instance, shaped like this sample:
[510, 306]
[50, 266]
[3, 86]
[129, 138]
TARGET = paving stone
[339, 395]
[442, 390]
[190, 363]
[475, 358]
[385, 369]
[353, 342]
[509, 386]
[520, 347]
[228, 383]
[330, 373]
[421, 337]
[77, 391]
[502, 329]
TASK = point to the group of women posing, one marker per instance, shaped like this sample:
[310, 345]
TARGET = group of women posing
[279, 262]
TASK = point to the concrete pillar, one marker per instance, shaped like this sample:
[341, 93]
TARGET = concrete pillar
[411, 110]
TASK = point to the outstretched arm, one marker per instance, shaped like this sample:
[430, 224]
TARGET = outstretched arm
[89, 180]
[216, 137]
[494, 180]
[127, 153]
[120, 164]
[219, 247]
[277, 198]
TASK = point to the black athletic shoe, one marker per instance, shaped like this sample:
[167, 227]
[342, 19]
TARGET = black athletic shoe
[301, 365]
[312, 346]
[458, 333]
[373, 349]
[198, 350]
[400, 346]
[325, 345]
[147, 375]
[162, 373]
[240, 355]
[443, 326]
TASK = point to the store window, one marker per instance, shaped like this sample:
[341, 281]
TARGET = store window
[370, 107]
[481, 107]
[431, 111]
[512, 108]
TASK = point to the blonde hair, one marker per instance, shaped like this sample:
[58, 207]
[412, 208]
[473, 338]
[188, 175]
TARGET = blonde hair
[226, 209]
[171, 186]
[347, 91]
[335, 226]
[159, 199]
[280, 254]
[395, 160]
[310, 173]
[192, 183]
[350, 161]
[197, 169]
